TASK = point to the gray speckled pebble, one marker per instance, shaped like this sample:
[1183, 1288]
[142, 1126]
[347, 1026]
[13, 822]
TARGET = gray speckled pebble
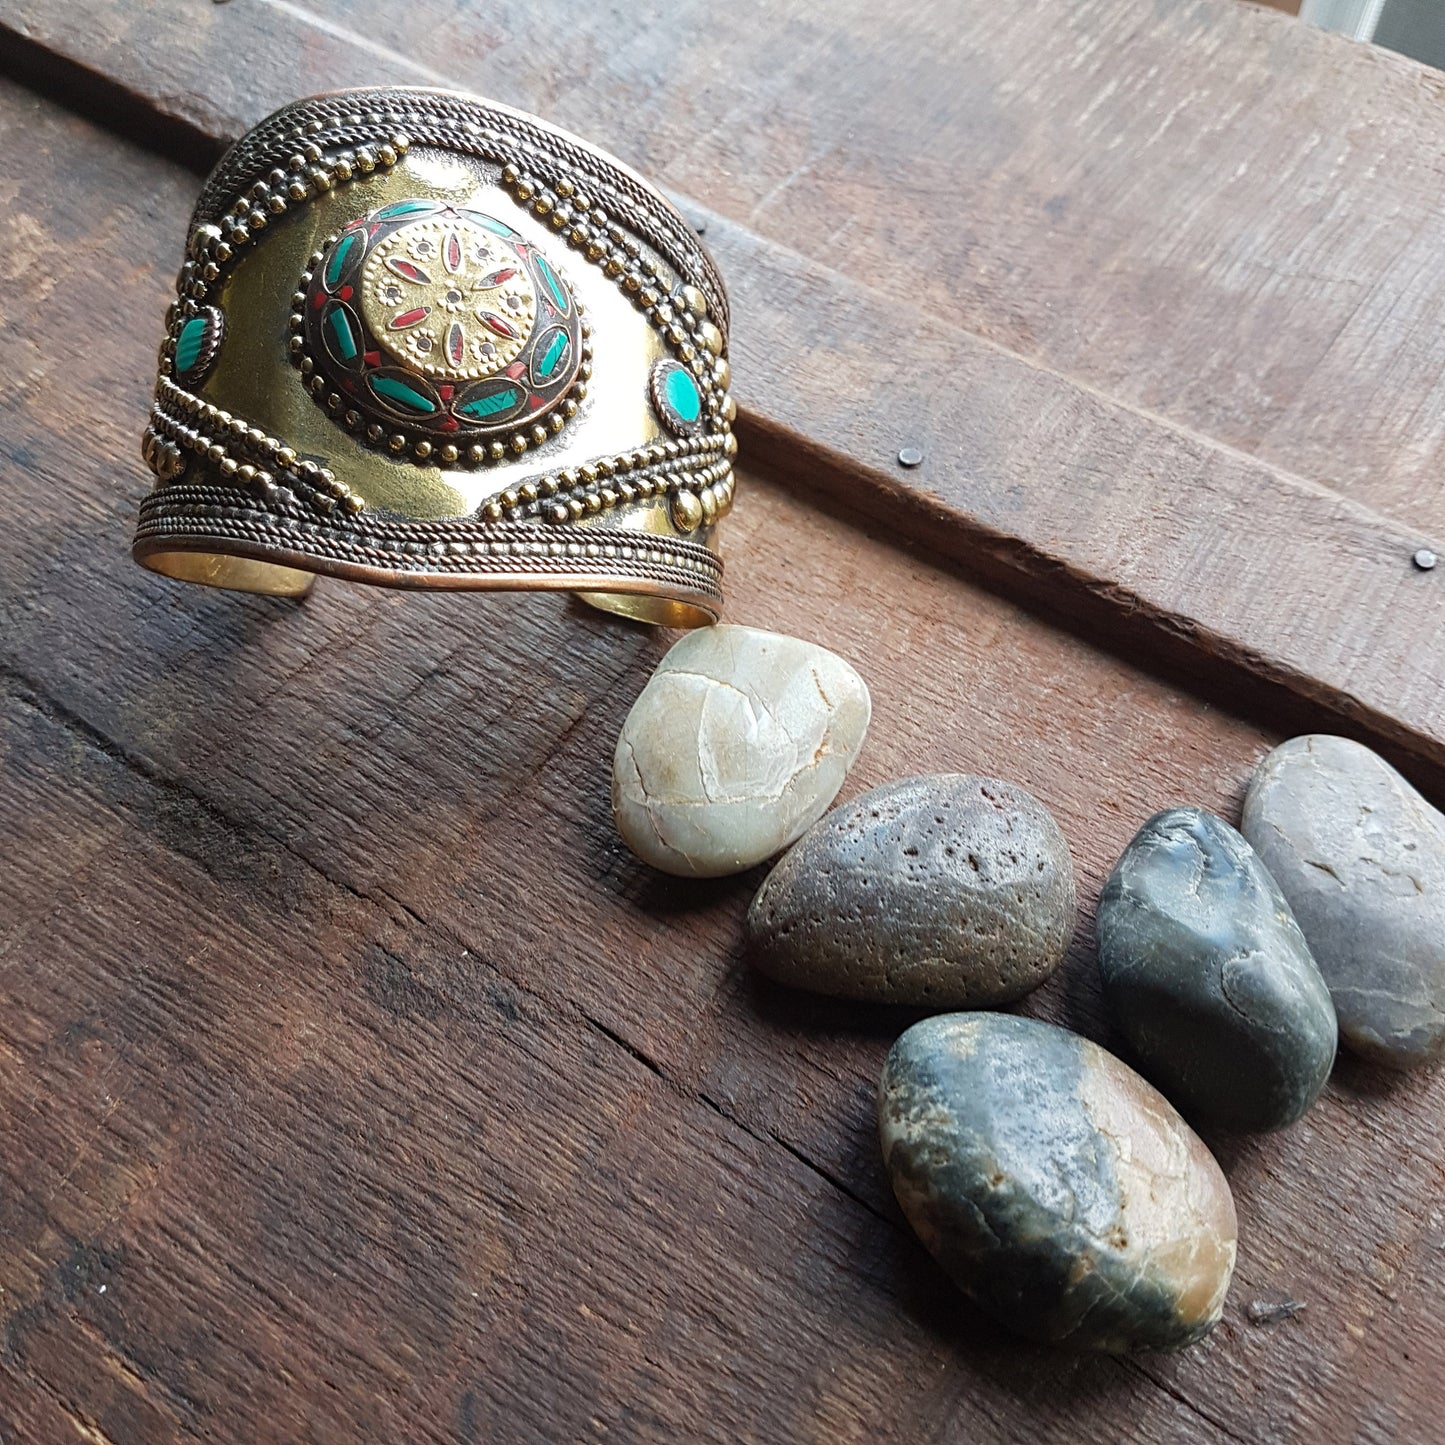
[1209, 977]
[1057, 1188]
[948, 890]
[1361, 857]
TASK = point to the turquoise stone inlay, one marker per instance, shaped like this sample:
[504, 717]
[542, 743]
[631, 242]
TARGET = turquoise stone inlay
[676, 396]
[343, 335]
[404, 208]
[682, 394]
[555, 289]
[338, 259]
[493, 405]
[190, 342]
[397, 391]
[552, 354]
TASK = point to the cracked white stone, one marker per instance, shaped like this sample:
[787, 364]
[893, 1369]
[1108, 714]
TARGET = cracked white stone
[737, 746]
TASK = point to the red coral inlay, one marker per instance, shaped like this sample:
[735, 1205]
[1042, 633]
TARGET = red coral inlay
[409, 272]
[409, 318]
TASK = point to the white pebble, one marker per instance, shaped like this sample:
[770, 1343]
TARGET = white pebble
[737, 745]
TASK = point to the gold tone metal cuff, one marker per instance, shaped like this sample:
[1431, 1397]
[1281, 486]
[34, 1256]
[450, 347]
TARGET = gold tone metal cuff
[426, 341]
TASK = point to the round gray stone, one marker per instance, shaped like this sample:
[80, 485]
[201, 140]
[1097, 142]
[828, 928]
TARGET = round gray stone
[1361, 857]
[949, 890]
[1209, 977]
[1057, 1188]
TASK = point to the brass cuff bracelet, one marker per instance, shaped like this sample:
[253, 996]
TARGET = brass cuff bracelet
[426, 341]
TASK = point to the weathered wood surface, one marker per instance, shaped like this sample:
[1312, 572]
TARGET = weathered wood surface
[1090, 502]
[356, 1084]
[1204, 209]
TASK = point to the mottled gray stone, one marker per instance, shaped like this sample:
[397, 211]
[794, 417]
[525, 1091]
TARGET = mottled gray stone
[1361, 857]
[1058, 1188]
[1209, 977]
[738, 743]
[948, 890]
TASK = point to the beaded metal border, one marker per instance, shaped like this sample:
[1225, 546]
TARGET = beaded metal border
[367, 544]
[313, 146]
[283, 149]
[182, 423]
[397, 437]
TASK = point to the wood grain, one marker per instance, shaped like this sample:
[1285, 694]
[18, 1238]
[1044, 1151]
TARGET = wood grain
[1092, 502]
[1129, 525]
[1201, 208]
[356, 1084]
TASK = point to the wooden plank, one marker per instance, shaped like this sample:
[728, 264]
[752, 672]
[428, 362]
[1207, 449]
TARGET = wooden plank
[1125, 522]
[1029, 472]
[1167, 203]
[355, 1083]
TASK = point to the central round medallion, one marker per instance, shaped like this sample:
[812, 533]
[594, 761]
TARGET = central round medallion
[442, 332]
[448, 297]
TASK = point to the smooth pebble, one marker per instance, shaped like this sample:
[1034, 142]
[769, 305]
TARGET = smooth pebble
[1360, 856]
[1209, 977]
[1060, 1190]
[738, 743]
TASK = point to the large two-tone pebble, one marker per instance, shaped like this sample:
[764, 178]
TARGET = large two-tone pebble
[1209, 977]
[1060, 1190]
[736, 746]
[1360, 856]
[948, 890]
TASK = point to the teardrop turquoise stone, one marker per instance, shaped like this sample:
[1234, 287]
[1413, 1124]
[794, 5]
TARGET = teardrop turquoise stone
[404, 208]
[682, 394]
[340, 326]
[554, 284]
[189, 343]
[552, 357]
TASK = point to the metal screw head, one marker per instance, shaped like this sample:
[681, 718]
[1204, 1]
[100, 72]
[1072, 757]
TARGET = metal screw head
[910, 457]
[1425, 559]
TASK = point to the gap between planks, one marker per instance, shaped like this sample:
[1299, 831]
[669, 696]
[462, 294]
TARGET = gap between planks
[1125, 582]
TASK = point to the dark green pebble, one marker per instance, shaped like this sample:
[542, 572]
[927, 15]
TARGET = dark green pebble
[1209, 978]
